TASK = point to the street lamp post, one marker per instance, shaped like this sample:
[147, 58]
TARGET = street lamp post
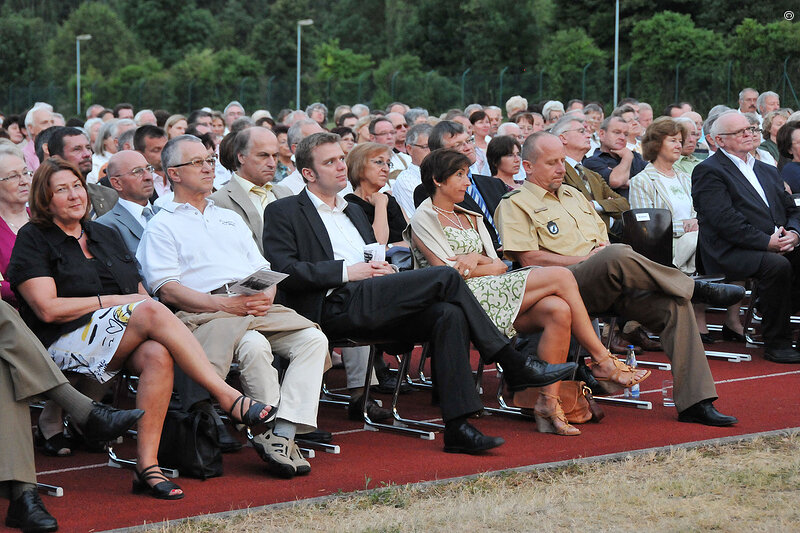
[78, 39]
[300, 23]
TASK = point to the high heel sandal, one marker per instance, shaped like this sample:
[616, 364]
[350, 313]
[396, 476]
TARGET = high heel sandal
[553, 421]
[615, 382]
[163, 491]
[250, 417]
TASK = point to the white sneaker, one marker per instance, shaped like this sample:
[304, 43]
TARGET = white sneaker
[275, 451]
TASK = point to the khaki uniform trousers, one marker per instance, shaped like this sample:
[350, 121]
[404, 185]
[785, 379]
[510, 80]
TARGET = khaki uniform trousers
[621, 281]
[26, 370]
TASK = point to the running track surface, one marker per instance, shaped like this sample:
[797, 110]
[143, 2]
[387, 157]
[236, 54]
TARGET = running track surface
[761, 394]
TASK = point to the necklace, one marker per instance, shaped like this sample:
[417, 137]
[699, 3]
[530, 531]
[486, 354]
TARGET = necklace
[444, 213]
[27, 218]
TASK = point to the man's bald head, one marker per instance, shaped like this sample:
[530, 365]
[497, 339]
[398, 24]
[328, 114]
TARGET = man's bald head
[129, 174]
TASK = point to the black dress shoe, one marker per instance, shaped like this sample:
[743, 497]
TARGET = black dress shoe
[716, 294]
[376, 412]
[29, 514]
[387, 381]
[318, 435]
[729, 335]
[703, 412]
[706, 338]
[781, 354]
[462, 437]
[107, 423]
[530, 371]
[56, 446]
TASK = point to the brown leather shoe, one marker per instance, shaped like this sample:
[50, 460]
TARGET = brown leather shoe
[620, 345]
[639, 337]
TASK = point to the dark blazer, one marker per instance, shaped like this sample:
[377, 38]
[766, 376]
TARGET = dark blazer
[492, 191]
[232, 196]
[296, 243]
[735, 224]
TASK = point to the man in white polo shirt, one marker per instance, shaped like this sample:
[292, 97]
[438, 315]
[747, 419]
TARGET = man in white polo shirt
[190, 251]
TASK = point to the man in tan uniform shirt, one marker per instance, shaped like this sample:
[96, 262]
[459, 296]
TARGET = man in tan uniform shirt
[546, 224]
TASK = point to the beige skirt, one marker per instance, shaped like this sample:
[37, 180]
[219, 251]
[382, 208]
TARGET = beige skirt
[89, 349]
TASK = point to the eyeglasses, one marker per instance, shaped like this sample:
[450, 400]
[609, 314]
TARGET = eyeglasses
[401, 127]
[459, 146]
[138, 172]
[381, 162]
[198, 162]
[752, 130]
[579, 130]
[16, 177]
[421, 146]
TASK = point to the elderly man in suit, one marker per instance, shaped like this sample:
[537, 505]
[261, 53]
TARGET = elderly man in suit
[318, 239]
[749, 228]
[485, 192]
[255, 154]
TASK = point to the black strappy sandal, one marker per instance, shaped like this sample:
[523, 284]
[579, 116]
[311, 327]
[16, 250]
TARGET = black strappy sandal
[251, 416]
[163, 491]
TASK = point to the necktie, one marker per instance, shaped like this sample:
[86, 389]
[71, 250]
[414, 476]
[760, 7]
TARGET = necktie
[261, 192]
[147, 214]
[579, 168]
[472, 190]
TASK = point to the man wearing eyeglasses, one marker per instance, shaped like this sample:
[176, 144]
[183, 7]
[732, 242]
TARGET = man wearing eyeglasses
[72, 144]
[382, 130]
[749, 228]
[190, 252]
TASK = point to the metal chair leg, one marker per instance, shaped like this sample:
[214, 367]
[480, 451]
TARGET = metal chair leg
[51, 490]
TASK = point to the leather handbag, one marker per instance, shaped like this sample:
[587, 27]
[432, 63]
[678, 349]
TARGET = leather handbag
[190, 443]
[576, 400]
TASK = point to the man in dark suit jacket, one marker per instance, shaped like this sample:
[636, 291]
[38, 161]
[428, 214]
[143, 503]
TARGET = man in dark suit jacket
[749, 228]
[485, 193]
[318, 239]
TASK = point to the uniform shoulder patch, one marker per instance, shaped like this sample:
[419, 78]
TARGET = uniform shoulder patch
[509, 194]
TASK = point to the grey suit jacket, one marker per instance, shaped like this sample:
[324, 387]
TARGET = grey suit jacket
[128, 227]
[232, 196]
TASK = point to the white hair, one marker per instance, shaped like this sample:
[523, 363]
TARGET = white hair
[38, 106]
[716, 127]
[504, 127]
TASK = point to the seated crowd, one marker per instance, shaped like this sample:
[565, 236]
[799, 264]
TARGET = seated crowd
[122, 237]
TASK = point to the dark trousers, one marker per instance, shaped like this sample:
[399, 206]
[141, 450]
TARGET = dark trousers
[778, 293]
[433, 304]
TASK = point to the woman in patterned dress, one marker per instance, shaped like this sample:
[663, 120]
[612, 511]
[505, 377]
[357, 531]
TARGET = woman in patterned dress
[527, 300]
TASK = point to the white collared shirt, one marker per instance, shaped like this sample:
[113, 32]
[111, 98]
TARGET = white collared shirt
[346, 241]
[248, 187]
[135, 210]
[160, 186]
[746, 168]
[202, 251]
[296, 183]
[405, 184]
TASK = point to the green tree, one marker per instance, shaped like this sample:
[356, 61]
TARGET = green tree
[22, 53]
[334, 62]
[663, 41]
[213, 78]
[273, 40]
[760, 50]
[112, 45]
[563, 57]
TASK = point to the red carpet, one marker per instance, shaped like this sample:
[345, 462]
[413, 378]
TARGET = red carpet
[762, 395]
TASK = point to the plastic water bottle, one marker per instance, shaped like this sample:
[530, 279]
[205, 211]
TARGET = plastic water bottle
[631, 392]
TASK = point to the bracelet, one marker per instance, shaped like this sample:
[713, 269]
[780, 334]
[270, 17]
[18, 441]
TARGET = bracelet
[99, 301]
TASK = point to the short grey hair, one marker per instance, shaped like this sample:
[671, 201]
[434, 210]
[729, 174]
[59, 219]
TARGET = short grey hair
[241, 123]
[241, 145]
[552, 105]
[38, 106]
[471, 108]
[9, 148]
[317, 106]
[746, 89]
[644, 105]
[172, 152]
[358, 109]
[126, 137]
[503, 128]
[91, 122]
[295, 134]
[415, 131]
[294, 117]
[444, 128]
[713, 115]
[231, 104]
[414, 113]
[592, 108]
[716, 127]
[762, 98]
[752, 118]
[563, 124]
[138, 116]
